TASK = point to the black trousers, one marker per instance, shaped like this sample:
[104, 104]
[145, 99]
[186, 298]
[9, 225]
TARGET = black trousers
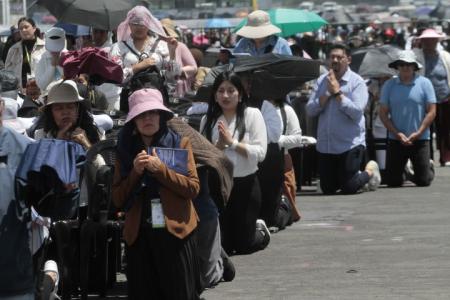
[342, 171]
[161, 266]
[271, 177]
[398, 155]
[239, 218]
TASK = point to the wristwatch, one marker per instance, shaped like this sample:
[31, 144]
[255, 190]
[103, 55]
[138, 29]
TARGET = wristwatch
[337, 94]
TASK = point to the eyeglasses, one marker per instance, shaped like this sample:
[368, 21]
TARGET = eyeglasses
[338, 57]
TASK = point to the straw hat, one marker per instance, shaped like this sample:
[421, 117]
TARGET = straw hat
[258, 26]
[407, 56]
[144, 100]
[169, 27]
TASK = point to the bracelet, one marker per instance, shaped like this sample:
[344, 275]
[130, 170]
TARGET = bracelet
[234, 144]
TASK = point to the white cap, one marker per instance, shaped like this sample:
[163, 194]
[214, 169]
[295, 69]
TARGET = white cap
[9, 116]
[55, 39]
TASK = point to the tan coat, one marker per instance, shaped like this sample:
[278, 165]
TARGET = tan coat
[176, 191]
[14, 59]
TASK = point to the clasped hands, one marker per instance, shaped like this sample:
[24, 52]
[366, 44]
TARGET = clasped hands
[333, 84]
[144, 161]
[225, 139]
[407, 140]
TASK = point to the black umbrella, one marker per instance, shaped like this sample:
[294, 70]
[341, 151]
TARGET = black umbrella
[376, 60]
[272, 76]
[102, 14]
[357, 57]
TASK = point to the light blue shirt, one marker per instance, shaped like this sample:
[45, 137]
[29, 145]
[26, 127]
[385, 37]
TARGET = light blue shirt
[280, 46]
[12, 145]
[341, 123]
[407, 104]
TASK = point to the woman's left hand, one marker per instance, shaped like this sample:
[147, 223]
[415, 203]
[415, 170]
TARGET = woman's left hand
[79, 136]
[224, 135]
[153, 163]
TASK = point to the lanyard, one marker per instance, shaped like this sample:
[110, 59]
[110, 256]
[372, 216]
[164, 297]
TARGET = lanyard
[27, 56]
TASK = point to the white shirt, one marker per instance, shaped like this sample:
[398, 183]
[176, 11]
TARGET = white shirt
[255, 140]
[293, 135]
[274, 124]
[122, 55]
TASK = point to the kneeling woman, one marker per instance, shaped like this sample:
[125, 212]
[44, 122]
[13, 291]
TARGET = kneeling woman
[160, 218]
[241, 133]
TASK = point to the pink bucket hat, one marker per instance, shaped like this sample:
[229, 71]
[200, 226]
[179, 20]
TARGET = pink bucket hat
[431, 33]
[144, 100]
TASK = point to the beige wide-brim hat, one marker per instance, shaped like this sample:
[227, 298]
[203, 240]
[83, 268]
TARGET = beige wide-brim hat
[258, 26]
[63, 91]
[407, 56]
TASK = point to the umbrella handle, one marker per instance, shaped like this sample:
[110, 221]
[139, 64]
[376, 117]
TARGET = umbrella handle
[143, 56]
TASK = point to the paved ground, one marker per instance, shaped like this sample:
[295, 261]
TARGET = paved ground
[388, 244]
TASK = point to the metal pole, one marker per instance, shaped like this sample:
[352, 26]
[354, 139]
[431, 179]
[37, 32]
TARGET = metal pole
[7, 12]
[25, 8]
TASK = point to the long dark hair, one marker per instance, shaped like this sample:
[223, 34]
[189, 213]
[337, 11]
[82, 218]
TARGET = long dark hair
[85, 121]
[214, 109]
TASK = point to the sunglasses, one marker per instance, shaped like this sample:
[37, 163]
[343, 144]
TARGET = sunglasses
[403, 64]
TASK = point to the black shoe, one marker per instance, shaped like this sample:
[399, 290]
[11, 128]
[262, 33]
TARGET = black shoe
[228, 268]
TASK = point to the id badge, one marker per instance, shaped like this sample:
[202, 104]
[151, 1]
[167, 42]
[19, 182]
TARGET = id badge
[157, 214]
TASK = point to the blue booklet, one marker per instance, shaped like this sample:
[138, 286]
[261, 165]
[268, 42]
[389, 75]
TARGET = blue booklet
[174, 159]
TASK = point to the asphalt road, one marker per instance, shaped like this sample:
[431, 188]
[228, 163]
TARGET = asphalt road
[387, 244]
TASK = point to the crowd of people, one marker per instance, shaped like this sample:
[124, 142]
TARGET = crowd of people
[178, 233]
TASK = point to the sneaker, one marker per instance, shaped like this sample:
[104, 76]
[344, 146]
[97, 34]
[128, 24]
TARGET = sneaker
[409, 171]
[262, 227]
[51, 270]
[375, 180]
[228, 267]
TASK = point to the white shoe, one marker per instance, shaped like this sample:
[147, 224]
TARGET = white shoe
[52, 267]
[409, 171]
[375, 180]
